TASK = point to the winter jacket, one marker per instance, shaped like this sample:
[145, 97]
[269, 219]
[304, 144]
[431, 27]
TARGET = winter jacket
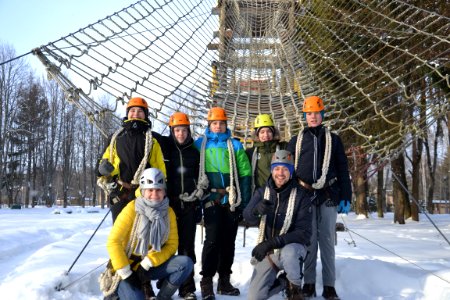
[120, 235]
[128, 151]
[262, 160]
[217, 166]
[309, 167]
[182, 165]
[300, 229]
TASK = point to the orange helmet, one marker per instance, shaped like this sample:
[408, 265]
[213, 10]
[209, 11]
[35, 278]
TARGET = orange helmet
[217, 114]
[179, 119]
[313, 104]
[137, 101]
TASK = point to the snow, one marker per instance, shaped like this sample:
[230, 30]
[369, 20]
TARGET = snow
[376, 259]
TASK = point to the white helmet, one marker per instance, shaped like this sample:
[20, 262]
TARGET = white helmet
[152, 178]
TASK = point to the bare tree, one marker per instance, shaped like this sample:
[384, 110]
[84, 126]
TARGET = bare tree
[11, 77]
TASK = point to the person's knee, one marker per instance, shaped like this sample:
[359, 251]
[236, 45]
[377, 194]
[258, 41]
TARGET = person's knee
[185, 262]
[294, 251]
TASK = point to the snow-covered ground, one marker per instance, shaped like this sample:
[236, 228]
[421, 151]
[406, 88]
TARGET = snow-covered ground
[377, 259]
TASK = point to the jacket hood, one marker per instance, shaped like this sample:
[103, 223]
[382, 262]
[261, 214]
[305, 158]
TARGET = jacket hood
[217, 137]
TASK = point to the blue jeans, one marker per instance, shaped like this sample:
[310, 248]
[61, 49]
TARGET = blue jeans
[176, 270]
[264, 275]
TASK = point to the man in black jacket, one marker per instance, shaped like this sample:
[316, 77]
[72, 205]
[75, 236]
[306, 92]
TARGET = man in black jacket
[321, 168]
[182, 161]
[282, 208]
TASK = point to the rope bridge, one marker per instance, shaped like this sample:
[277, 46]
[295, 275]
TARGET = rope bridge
[382, 67]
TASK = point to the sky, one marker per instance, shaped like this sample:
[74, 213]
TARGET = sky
[26, 24]
[376, 260]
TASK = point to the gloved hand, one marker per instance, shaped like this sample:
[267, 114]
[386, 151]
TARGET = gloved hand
[133, 280]
[263, 208]
[105, 168]
[143, 275]
[344, 207]
[261, 250]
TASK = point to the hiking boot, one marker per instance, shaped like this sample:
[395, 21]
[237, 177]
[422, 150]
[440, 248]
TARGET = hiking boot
[329, 293]
[224, 287]
[147, 289]
[187, 289]
[295, 292]
[206, 286]
[188, 296]
[309, 290]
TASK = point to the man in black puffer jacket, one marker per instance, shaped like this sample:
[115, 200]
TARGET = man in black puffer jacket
[182, 161]
[321, 167]
[282, 208]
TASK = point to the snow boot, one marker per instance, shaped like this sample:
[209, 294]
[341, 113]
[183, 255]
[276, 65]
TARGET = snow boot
[206, 285]
[295, 292]
[309, 290]
[224, 287]
[329, 293]
[147, 289]
[167, 290]
[187, 289]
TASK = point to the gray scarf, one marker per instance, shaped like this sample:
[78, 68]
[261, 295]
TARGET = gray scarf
[153, 227]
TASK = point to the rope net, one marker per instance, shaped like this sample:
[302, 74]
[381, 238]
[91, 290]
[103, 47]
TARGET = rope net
[382, 67]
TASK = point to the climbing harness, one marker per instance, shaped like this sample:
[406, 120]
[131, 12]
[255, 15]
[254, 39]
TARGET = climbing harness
[108, 186]
[234, 192]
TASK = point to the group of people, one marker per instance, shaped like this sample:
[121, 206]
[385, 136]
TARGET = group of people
[161, 187]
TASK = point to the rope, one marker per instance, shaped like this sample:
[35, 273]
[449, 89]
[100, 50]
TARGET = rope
[109, 280]
[286, 224]
[144, 161]
[234, 191]
[399, 256]
[102, 181]
[326, 159]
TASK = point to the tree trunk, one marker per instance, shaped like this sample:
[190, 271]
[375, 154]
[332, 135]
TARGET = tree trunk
[431, 164]
[381, 192]
[361, 195]
[416, 161]
[398, 186]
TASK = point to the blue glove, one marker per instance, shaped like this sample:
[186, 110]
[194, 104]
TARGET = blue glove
[344, 207]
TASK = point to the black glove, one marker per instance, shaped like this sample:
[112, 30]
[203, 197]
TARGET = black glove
[105, 168]
[133, 280]
[143, 275]
[261, 250]
[263, 208]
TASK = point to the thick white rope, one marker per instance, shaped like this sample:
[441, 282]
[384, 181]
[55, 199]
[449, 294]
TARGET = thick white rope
[234, 191]
[287, 221]
[202, 182]
[326, 159]
[109, 280]
[102, 180]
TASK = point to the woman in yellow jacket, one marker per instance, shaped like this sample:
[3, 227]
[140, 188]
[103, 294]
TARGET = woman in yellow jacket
[143, 242]
[132, 149]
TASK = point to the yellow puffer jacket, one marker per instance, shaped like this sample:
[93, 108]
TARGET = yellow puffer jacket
[120, 234]
[156, 159]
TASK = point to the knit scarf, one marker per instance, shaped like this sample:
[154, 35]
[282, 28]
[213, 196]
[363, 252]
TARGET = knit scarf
[153, 226]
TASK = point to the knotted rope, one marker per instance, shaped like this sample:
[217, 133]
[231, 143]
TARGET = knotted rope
[102, 181]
